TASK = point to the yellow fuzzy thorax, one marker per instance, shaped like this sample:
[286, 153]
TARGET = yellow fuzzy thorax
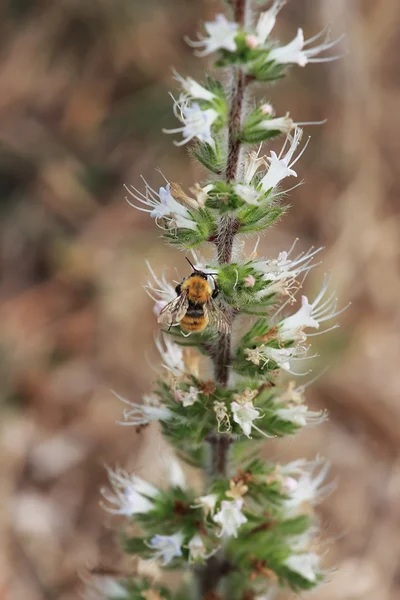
[198, 289]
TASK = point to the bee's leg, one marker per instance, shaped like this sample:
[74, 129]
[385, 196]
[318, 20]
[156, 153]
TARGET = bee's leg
[215, 291]
[178, 289]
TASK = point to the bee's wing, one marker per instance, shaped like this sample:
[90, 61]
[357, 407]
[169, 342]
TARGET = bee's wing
[217, 318]
[175, 310]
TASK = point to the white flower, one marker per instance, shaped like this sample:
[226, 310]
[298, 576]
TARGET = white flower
[306, 565]
[292, 327]
[310, 315]
[175, 475]
[300, 415]
[244, 413]
[295, 51]
[267, 109]
[247, 193]
[166, 547]
[197, 123]
[284, 124]
[143, 414]
[249, 281]
[193, 89]
[187, 398]
[207, 503]
[197, 549]
[252, 163]
[267, 19]
[162, 206]
[280, 166]
[281, 272]
[159, 290]
[130, 494]
[221, 35]
[230, 517]
[222, 415]
[309, 488]
[252, 41]
[263, 354]
[171, 355]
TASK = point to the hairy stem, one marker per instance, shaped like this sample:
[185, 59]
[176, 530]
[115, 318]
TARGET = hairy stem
[217, 566]
[228, 225]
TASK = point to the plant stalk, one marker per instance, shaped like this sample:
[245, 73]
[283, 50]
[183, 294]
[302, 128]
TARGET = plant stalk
[217, 566]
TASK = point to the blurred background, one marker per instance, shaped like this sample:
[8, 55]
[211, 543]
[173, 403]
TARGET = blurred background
[83, 97]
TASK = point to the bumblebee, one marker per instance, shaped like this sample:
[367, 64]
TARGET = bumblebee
[194, 308]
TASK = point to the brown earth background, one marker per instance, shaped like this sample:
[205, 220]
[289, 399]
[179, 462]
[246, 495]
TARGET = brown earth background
[83, 97]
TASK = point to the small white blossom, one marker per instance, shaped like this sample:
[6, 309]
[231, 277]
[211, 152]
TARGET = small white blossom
[300, 415]
[174, 472]
[284, 124]
[306, 564]
[263, 354]
[309, 488]
[197, 550]
[130, 494]
[159, 290]
[221, 35]
[267, 109]
[161, 206]
[267, 121]
[296, 53]
[196, 122]
[193, 89]
[167, 547]
[143, 414]
[207, 503]
[310, 315]
[244, 413]
[201, 193]
[281, 272]
[267, 20]
[222, 415]
[247, 193]
[171, 355]
[252, 41]
[280, 166]
[252, 163]
[230, 517]
[294, 410]
[249, 281]
[187, 398]
[292, 327]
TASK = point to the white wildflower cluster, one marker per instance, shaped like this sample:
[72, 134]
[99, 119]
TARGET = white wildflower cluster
[304, 483]
[198, 109]
[129, 495]
[161, 206]
[224, 35]
[292, 330]
[217, 386]
[290, 407]
[254, 187]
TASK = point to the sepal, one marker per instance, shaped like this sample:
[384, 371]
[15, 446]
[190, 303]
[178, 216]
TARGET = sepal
[261, 124]
[212, 158]
[205, 227]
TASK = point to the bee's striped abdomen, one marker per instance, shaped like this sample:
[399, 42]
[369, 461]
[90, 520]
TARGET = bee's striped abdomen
[195, 319]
